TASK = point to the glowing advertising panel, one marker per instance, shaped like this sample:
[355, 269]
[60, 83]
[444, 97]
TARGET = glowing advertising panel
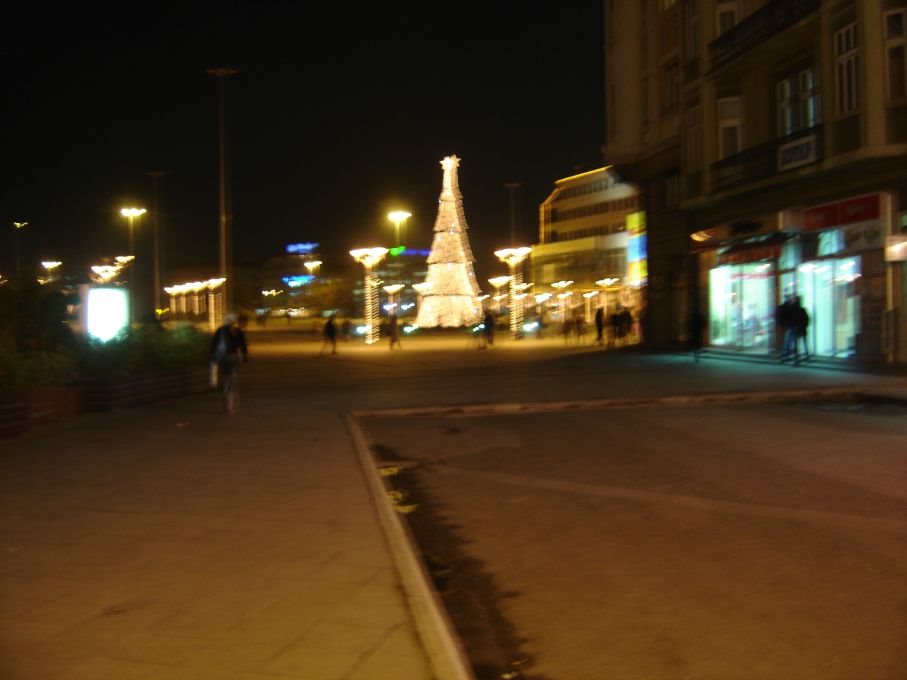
[637, 252]
[106, 312]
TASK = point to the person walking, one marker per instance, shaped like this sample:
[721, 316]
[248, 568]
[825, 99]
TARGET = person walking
[228, 348]
[393, 330]
[329, 332]
[784, 326]
[799, 319]
[488, 325]
[600, 325]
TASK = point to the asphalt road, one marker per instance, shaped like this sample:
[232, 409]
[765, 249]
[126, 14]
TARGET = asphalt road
[700, 541]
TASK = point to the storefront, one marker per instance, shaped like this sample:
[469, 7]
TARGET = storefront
[829, 255]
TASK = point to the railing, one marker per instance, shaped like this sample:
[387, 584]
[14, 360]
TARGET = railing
[761, 25]
[801, 148]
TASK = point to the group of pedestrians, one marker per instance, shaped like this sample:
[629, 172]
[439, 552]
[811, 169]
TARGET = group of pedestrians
[792, 320]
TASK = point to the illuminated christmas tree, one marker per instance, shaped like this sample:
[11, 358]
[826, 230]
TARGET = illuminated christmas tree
[450, 294]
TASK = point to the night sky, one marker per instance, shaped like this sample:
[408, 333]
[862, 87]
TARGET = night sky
[341, 111]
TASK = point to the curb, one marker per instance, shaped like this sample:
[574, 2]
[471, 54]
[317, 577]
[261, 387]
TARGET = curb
[442, 645]
[471, 410]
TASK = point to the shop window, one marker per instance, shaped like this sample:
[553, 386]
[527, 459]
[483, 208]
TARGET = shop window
[742, 306]
[790, 255]
[828, 291]
[831, 242]
[895, 33]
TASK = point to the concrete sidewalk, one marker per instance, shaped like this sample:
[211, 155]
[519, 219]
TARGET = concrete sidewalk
[171, 541]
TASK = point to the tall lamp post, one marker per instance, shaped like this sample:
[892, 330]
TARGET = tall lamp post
[398, 217]
[155, 175]
[562, 296]
[513, 258]
[392, 300]
[19, 227]
[226, 235]
[131, 214]
[368, 258]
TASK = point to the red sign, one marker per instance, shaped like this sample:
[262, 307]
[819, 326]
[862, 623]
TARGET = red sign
[841, 213]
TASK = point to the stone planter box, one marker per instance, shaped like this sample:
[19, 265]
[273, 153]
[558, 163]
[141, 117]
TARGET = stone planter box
[104, 395]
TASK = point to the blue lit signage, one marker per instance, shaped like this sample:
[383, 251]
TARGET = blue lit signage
[301, 248]
[297, 281]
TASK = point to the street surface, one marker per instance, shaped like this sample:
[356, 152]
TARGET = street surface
[702, 541]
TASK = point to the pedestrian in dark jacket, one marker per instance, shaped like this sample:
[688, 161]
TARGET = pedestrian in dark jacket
[330, 335]
[799, 320]
[228, 348]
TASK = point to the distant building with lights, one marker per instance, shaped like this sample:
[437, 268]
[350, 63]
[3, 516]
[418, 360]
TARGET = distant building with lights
[590, 230]
[768, 138]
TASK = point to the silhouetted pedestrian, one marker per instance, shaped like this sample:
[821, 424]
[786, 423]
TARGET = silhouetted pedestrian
[330, 335]
[695, 331]
[799, 320]
[600, 325]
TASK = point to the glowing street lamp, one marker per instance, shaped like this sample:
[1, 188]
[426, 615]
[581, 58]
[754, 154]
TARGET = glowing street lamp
[391, 291]
[19, 227]
[49, 266]
[131, 214]
[368, 258]
[498, 282]
[606, 283]
[513, 257]
[562, 296]
[398, 217]
[312, 266]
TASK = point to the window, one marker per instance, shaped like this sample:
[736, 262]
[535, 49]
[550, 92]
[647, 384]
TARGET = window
[847, 97]
[693, 125]
[797, 102]
[670, 96]
[691, 30]
[726, 15]
[729, 126]
[895, 33]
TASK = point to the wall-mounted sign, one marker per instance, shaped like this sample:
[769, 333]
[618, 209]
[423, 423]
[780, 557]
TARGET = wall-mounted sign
[796, 153]
[896, 248]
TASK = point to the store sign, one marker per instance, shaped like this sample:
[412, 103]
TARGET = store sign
[896, 248]
[797, 153]
[742, 255]
[830, 215]
[637, 250]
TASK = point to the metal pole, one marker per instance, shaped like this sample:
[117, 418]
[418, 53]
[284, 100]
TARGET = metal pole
[156, 237]
[225, 235]
[512, 186]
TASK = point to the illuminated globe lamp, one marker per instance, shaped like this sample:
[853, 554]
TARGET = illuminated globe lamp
[562, 296]
[392, 291]
[513, 258]
[368, 258]
[398, 217]
[498, 282]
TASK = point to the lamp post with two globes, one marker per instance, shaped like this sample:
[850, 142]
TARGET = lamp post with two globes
[368, 258]
[513, 258]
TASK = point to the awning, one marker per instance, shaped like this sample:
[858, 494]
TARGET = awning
[767, 248]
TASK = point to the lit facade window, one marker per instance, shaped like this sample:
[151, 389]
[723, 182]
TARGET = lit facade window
[847, 74]
[798, 102]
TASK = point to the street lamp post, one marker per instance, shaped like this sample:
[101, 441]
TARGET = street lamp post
[155, 175]
[513, 257]
[131, 214]
[368, 258]
[398, 217]
[221, 73]
[392, 300]
[562, 296]
[19, 227]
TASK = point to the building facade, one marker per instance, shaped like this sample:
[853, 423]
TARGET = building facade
[590, 231]
[787, 173]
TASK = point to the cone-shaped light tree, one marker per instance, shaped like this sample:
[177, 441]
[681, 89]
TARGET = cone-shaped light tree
[450, 296]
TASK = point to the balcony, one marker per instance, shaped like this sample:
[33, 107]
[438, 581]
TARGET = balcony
[796, 150]
[773, 18]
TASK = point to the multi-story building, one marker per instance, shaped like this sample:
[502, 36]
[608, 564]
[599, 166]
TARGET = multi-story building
[589, 231]
[786, 128]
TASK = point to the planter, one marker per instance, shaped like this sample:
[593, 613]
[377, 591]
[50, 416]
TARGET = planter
[104, 395]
